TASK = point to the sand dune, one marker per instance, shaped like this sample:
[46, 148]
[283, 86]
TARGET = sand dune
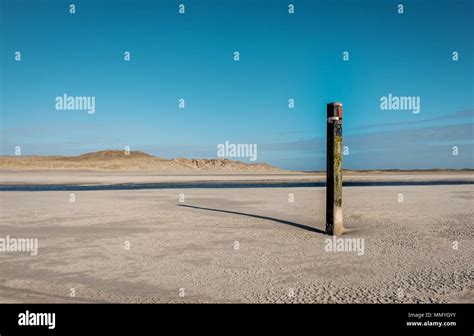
[115, 160]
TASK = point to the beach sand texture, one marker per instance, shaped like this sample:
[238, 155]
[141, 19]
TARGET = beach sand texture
[186, 252]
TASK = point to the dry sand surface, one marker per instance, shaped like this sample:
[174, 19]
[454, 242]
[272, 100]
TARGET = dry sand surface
[111, 177]
[174, 249]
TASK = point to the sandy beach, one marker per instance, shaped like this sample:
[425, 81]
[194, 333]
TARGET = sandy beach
[236, 245]
[94, 177]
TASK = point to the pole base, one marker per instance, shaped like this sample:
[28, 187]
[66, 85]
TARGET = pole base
[340, 230]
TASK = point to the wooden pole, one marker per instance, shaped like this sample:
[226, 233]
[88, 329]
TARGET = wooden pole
[334, 223]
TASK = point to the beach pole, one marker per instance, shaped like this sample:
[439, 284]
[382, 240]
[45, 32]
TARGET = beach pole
[334, 224]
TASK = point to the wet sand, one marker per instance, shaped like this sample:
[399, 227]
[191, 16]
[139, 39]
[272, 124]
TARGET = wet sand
[84, 177]
[187, 252]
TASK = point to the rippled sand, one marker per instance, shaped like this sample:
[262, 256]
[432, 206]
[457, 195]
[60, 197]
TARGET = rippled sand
[188, 253]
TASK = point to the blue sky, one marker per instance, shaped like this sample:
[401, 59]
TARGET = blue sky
[282, 56]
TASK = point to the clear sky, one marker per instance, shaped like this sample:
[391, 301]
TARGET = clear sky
[282, 56]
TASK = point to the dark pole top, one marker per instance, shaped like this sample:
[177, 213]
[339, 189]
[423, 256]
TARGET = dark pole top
[334, 110]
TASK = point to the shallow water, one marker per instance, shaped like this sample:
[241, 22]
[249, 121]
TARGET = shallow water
[218, 185]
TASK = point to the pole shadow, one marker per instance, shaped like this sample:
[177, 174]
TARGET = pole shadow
[300, 226]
